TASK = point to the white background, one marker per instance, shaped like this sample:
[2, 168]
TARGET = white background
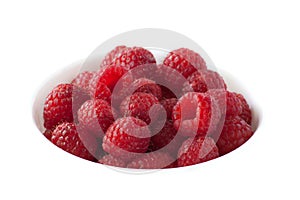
[257, 41]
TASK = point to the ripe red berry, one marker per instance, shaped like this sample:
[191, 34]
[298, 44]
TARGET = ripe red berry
[61, 103]
[96, 116]
[197, 150]
[195, 114]
[128, 86]
[201, 81]
[185, 61]
[112, 161]
[153, 160]
[134, 57]
[139, 105]
[102, 92]
[112, 55]
[170, 81]
[227, 101]
[109, 76]
[163, 138]
[168, 105]
[246, 111]
[83, 79]
[126, 137]
[147, 86]
[233, 104]
[235, 133]
[67, 137]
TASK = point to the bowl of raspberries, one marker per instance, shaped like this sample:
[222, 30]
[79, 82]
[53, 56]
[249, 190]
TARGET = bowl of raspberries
[143, 108]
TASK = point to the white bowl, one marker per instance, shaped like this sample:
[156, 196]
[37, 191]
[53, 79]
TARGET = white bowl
[69, 72]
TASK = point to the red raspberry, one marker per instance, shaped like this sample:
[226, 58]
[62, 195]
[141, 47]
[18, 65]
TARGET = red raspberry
[197, 150]
[122, 90]
[96, 116]
[94, 81]
[126, 137]
[246, 111]
[109, 76]
[60, 104]
[127, 86]
[134, 57]
[147, 86]
[112, 161]
[153, 160]
[102, 92]
[139, 105]
[235, 133]
[185, 61]
[83, 79]
[195, 114]
[170, 80]
[166, 139]
[147, 71]
[168, 105]
[201, 81]
[233, 105]
[66, 137]
[48, 134]
[112, 55]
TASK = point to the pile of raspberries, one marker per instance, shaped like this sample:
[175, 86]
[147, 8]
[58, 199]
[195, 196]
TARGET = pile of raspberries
[135, 113]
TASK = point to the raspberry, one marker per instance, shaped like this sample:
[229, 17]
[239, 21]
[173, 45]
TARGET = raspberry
[60, 104]
[134, 57]
[147, 71]
[48, 134]
[235, 133]
[246, 111]
[109, 76]
[197, 150]
[185, 61]
[228, 101]
[168, 105]
[170, 80]
[201, 81]
[213, 80]
[112, 55]
[96, 116]
[153, 160]
[195, 114]
[233, 104]
[147, 86]
[126, 137]
[112, 161]
[83, 79]
[66, 137]
[102, 92]
[138, 105]
[195, 83]
[122, 90]
[127, 86]
[166, 139]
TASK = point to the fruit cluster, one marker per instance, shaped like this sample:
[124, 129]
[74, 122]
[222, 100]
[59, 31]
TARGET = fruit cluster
[136, 113]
